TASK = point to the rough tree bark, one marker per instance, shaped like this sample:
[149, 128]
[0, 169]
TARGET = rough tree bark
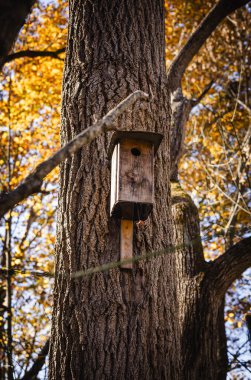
[201, 310]
[164, 319]
[117, 324]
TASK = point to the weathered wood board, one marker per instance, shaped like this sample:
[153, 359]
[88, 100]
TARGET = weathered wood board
[132, 179]
[126, 243]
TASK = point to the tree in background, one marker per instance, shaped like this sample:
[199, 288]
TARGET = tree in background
[218, 143]
[39, 98]
[30, 106]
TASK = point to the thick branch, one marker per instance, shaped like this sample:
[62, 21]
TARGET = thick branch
[222, 9]
[229, 266]
[38, 364]
[186, 233]
[181, 109]
[181, 106]
[12, 17]
[34, 54]
[32, 184]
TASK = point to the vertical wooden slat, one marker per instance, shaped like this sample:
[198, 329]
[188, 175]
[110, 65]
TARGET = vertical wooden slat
[126, 243]
[114, 174]
[136, 171]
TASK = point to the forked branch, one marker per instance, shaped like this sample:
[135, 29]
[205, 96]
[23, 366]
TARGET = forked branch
[33, 182]
[222, 9]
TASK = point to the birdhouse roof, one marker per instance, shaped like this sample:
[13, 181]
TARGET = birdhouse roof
[153, 137]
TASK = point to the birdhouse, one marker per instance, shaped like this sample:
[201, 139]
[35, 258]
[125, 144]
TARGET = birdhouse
[132, 181]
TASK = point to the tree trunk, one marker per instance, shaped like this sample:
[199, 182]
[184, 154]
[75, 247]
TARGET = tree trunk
[201, 308]
[162, 320]
[117, 324]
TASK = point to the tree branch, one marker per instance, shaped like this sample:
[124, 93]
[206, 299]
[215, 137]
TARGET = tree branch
[248, 322]
[222, 9]
[33, 182]
[38, 364]
[195, 102]
[229, 266]
[180, 105]
[181, 108]
[12, 17]
[34, 54]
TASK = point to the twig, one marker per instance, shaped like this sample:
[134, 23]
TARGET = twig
[195, 102]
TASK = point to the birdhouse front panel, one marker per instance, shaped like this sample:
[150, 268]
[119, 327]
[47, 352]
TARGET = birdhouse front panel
[136, 171]
[132, 186]
[132, 173]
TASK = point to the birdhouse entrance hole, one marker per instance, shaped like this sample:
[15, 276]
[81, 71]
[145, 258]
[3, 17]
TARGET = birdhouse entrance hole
[136, 152]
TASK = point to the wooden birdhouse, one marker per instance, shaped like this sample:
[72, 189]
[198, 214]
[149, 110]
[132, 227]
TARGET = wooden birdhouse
[132, 181]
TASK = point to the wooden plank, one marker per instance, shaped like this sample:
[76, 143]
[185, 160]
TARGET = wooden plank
[126, 243]
[114, 177]
[136, 176]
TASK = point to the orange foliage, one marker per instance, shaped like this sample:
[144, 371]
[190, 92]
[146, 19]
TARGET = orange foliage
[30, 90]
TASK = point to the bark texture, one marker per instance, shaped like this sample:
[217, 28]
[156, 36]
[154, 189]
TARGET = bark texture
[118, 324]
[201, 310]
[163, 319]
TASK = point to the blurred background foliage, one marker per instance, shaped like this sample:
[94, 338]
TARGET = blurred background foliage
[215, 167]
